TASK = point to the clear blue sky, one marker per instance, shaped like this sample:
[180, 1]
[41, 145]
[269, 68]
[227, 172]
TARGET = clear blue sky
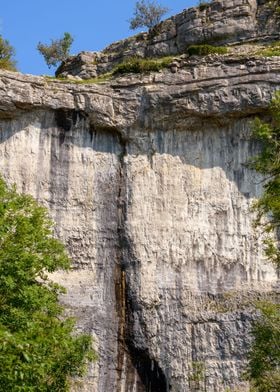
[93, 23]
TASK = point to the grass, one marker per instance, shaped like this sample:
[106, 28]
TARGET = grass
[204, 50]
[132, 65]
[97, 80]
[271, 50]
[139, 65]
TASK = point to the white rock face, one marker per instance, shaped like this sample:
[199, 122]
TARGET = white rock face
[147, 181]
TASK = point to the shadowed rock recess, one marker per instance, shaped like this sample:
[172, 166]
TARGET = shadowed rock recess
[146, 178]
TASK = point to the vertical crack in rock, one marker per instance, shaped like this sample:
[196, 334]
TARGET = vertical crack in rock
[137, 371]
[128, 379]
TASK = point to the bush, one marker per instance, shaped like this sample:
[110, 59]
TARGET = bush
[204, 50]
[147, 14]
[138, 65]
[57, 51]
[275, 5]
[203, 4]
[39, 350]
[264, 357]
[7, 53]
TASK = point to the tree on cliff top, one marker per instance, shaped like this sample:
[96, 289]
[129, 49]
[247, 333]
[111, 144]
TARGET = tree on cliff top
[264, 356]
[57, 51]
[147, 14]
[7, 53]
[39, 350]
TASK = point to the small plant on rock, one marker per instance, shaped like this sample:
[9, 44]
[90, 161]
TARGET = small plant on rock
[147, 14]
[57, 51]
[204, 50]
[203, 4]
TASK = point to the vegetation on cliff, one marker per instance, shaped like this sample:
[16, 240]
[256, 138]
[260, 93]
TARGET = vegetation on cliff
[7, 53]
[139, 65]
[39, 350]
[57, 51]
[264, 357]
[205, 50]
[147, 14]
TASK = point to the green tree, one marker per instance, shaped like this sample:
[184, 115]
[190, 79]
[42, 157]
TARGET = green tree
[57, 51]
[264, 356]
[268, 164]
[264, 359]
[147, 14]
[7, 53]
[39, 350]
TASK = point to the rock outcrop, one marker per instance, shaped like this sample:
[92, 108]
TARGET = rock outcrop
[146, 178]
[221, 22]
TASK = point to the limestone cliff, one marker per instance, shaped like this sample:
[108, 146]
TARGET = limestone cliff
[146, 178]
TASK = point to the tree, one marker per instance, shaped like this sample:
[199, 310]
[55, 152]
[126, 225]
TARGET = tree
[264, 359]
[268, 164]
[264, 356]
[147, 14]
[7, 53]
[57, 51]
[39, 350]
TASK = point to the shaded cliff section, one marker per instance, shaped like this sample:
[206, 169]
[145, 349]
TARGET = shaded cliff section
[221, 22]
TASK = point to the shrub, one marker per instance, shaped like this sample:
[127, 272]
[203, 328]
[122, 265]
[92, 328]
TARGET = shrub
[275, 6]
[7, 53]
[39, 350]
[203, 4]
[138, 65]
[57, 51]
[204, 50]
[264, 357]
[147, 14]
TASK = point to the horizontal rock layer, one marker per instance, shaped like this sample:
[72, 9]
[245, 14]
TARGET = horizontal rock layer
[221, 22]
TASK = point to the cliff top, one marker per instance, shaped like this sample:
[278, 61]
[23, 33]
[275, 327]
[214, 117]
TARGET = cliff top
[230, 23]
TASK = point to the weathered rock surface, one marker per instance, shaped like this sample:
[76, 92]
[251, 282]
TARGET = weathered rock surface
[221, 22]
[147, 180]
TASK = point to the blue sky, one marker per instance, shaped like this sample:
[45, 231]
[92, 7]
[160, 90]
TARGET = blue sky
[93, 23]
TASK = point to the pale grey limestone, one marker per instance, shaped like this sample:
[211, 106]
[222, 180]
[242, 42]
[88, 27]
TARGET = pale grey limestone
[147, 181]
[221, 22]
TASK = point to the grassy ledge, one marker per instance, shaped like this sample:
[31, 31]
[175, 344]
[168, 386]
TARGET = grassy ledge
[271, 50]
[139, 65]
[205, 50]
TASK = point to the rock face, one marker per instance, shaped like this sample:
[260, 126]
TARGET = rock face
[147, 181]
[221, 22]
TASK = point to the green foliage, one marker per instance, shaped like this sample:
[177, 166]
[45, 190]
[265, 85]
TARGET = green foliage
[139, 65]
[271, 50]
[197, 372]
[264, 358]
[275, 5]
[268, 163]
[204, 50]
[147, 13]
[7, 53]
[203, 4]
[57, 51]
[38, 349]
